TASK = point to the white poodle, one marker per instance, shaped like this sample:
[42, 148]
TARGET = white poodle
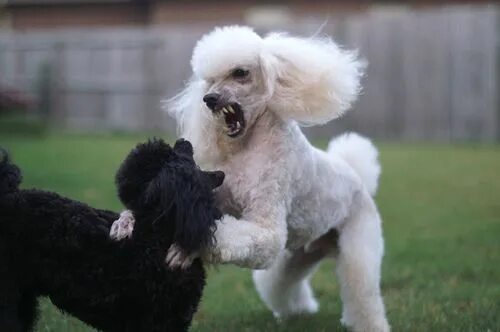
[287, 204]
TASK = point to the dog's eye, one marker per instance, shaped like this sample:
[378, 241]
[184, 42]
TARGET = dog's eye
[240, 73]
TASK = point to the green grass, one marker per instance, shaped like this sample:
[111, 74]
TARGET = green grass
[441, 210]
[18, 122]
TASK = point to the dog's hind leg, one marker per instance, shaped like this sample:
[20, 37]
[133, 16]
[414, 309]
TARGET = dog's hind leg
[9, 315]
[284, 287]
[358, 267]
[12, 318]
[28, 310]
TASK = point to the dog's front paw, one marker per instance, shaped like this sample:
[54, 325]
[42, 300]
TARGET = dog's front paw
[178, 258]
[123, 227]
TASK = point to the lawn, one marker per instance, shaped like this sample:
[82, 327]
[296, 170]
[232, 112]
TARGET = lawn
[441, 211]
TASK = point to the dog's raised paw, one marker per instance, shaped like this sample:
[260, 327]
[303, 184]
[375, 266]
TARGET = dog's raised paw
[178, 258]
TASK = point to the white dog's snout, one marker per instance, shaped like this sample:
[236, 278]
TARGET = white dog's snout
[211, 100]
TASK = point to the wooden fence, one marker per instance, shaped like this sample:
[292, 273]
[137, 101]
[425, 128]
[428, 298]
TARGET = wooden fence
[433, 73]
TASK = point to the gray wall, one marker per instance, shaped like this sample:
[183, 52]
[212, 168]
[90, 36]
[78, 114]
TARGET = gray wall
[433, 73]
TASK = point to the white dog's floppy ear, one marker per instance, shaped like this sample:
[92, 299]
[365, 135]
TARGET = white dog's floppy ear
[184, 105]
[313, 80]
[193, 118]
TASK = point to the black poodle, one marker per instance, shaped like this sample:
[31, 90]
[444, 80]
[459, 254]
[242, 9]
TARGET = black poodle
[56, 247]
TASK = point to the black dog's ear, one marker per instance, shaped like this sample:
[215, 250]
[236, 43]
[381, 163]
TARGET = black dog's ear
[196, 214]
[183, 146]
[195, 223]
[159, 193]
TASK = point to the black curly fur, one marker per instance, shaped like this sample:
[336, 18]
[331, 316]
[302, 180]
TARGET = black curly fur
[56, 247]
[144, 172]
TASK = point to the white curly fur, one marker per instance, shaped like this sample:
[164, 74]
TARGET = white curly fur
[361, 155]
[309, 80]
[281, 194]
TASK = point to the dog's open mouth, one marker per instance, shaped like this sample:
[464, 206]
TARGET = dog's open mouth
[233, 118]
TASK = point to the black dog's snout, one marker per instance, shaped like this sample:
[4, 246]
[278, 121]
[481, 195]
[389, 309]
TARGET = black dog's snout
[215, 178]
[219, 178]
[211, 99]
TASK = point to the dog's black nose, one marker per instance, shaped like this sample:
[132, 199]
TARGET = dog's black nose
[219, 177]
[216, 178]
[211, 99]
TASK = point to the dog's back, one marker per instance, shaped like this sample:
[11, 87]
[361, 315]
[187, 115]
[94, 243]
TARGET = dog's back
[60, 248]
[49, 245]
[42, 229]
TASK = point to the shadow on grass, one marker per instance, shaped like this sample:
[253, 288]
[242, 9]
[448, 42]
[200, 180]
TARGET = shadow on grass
[263, 320]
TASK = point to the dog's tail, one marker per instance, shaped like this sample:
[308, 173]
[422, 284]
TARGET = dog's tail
[361, 155]
[10, 175]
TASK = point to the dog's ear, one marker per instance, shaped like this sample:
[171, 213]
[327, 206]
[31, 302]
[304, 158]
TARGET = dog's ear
[196, 212]
[193, 118]
[184, 205]
[311, 80]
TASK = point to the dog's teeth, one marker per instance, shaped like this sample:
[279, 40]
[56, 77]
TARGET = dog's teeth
[225, 110]
[231, 109]
[238, 125]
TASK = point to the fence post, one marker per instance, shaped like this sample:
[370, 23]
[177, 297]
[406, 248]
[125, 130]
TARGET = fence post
[152, 82]
[57, 112]
[497, 76]
[43, 93]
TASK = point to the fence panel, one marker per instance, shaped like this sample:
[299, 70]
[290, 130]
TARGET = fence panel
[433, 73]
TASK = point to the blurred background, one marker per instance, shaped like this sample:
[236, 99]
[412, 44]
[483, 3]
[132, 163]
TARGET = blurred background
[105, 65]
[81, 82]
